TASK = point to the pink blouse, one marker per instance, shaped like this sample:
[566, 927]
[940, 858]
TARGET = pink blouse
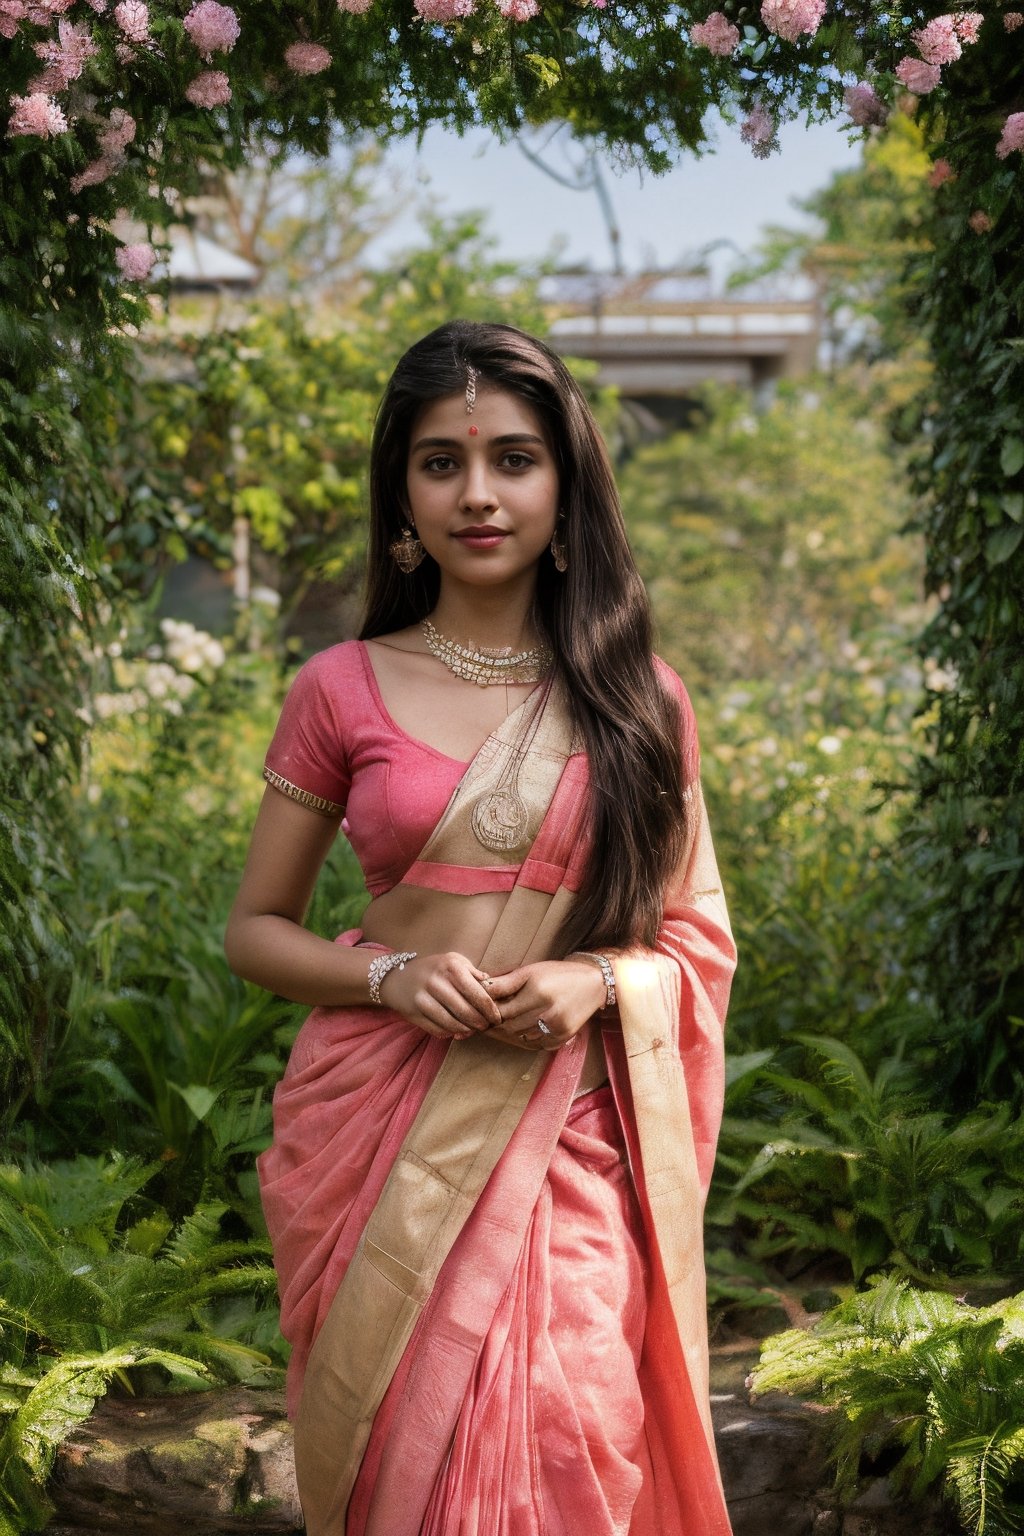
[338, 751]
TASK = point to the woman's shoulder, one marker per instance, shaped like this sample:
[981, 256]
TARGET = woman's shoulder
[671, 681]
[336, 665]
[677, 690]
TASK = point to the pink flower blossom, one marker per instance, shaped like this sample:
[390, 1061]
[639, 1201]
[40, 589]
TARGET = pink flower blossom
[355, 7]
[940, 173]
[444, 10]
[49, 82]
[210, 89]
[36, 114]
[792, 19]
[118, 132]
[967, 25]
[132, 16]
[758, 130]
[96, 171]
[1012, 20]
[980, 222]
[135, 261]
[864, 106]
[1013, 135]
[938, 43]
[212, 27]
[918, 76]
[12, 13]
[307, 58]
[717, 34]
[518, 10]
[71, 50]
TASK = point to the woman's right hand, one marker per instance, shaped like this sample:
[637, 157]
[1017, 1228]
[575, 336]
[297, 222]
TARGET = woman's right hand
[444, 995]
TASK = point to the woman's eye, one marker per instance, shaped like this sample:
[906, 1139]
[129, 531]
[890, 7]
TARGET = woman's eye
[517, 460]
[440, 461]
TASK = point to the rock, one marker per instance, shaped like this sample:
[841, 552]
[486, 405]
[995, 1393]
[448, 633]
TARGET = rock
[221, 1461]
[772, 1453]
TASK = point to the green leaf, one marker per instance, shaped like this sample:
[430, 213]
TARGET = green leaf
[1011, 459]
[198, 1097]
[547, 70]
[999, 546]
[1013, 505]
[737, 1067]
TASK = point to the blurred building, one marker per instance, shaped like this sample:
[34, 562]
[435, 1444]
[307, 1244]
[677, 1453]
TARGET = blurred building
[657, 336]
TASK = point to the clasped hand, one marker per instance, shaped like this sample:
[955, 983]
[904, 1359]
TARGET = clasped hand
[449, 997]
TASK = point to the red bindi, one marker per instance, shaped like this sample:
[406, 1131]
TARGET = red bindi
[473, 431]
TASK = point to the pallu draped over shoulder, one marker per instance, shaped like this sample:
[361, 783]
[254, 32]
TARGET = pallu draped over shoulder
[491, 1260]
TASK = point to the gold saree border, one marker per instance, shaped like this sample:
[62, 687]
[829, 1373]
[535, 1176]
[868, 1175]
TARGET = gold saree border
[648, 989]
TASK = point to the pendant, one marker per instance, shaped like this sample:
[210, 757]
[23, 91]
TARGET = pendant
[499, 820]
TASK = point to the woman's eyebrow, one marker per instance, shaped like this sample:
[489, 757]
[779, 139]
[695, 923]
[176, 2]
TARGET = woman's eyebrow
[503, 441]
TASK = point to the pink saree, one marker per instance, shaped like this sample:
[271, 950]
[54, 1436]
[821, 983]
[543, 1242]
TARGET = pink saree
[490, 1260]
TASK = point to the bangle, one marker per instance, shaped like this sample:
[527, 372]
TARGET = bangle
[382, 966]
[605, 965]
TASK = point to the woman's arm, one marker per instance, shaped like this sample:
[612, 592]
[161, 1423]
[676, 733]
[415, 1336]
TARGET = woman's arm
[266, 943]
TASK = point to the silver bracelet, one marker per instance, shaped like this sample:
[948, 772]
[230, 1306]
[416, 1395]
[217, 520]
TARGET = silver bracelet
[382, 966]
[606, 971]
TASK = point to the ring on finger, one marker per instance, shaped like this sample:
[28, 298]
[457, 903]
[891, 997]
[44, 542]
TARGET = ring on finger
[544, 1028]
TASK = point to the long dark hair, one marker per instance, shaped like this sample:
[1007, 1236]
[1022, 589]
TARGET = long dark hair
[596, 617]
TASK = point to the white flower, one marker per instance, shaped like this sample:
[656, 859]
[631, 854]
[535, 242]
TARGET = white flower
[767, 746]
[266, 596]
[939, 679]
[830, 745]
[159, 679]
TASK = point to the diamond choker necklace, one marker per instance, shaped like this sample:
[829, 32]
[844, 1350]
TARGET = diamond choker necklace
[484, 666]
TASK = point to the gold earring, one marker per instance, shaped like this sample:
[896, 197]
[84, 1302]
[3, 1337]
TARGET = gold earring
[407, 552]
[558, 552]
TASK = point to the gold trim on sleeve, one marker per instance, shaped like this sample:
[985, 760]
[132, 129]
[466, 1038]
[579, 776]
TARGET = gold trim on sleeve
[303, 796]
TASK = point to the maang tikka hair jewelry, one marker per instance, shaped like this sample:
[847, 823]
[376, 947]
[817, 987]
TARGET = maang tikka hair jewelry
[471, 377]
[407, 552]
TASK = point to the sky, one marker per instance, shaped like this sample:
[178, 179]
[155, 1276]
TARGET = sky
[726, 196]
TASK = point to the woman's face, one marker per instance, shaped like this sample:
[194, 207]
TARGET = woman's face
[482, 488]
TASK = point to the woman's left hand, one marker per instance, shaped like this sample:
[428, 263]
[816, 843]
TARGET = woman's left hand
[563, 994]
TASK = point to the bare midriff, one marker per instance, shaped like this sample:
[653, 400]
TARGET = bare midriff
[433, 922]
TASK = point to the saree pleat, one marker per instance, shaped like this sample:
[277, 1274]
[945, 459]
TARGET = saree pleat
[355, 1081]
[547, 1434]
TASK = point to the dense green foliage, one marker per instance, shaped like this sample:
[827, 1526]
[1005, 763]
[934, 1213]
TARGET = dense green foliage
[938, 1382]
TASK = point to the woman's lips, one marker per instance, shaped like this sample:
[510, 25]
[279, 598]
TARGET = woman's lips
[481, 538]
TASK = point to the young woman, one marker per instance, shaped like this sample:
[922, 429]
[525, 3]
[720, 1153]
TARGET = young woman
[495, 1132]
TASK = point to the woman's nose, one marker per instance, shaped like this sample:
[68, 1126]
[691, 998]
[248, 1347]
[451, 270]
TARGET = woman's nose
[478, 489]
